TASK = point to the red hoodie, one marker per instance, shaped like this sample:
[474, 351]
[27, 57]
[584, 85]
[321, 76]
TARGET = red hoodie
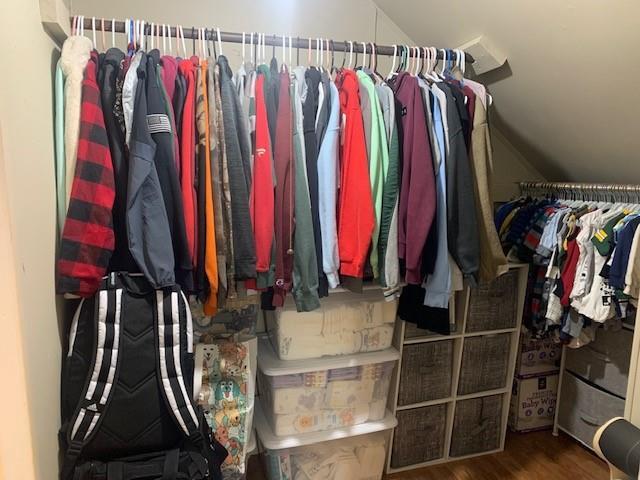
[261, 201]
[355, 204]
[187, 157]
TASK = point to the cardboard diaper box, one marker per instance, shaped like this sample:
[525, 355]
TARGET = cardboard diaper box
[537, 357]
[533, 403]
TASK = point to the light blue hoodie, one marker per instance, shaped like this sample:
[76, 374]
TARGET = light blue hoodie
[327, 191]
[438, 284]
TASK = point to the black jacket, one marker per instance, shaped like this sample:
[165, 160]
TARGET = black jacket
[159, 125]
[309, 111]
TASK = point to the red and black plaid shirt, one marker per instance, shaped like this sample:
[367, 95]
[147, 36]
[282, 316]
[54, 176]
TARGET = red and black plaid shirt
[87, 238]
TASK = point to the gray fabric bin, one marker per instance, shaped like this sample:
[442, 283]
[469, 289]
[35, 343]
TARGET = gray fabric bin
[426, 372]
[477, 425]
[584, 408]
[494, 305]
[419, 436]
[485, 360]
[605, 361]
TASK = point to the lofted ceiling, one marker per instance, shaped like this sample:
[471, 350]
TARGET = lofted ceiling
[568, 97]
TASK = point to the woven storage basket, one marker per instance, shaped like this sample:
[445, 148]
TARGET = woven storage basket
[493, 305]
[477, 425]
[419, 436]
[484, 363]
[426, 372]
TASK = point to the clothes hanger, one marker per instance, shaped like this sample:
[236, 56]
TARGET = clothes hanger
[318, 53]
[355, 61]
[169, 39]
[393, 62]
[113, 32]
[219, 40]
[290, 52]
[329, 64]
[284, 53]
[351, 54]
[93, 31]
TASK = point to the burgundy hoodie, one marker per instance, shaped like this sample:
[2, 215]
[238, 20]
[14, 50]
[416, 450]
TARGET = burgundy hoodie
[418, 190]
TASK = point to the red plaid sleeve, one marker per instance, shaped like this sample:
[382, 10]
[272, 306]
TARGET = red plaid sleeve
[87, 237]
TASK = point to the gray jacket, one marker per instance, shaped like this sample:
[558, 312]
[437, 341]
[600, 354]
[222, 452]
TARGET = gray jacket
[238, 150]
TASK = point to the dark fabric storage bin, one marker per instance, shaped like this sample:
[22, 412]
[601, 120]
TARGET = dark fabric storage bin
[484, 363]
[494, 305]
[426, 372]
[477, 425]
[419, 436]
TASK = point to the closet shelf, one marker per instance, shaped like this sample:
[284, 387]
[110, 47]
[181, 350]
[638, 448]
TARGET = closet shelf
[430, 338]
[484, 333]
[272, 442]
[428, 403]
[439, 461]
[486, 393]
[271, 365]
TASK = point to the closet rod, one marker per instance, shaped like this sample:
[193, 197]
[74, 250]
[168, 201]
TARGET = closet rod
[271, 40]
[583, 191]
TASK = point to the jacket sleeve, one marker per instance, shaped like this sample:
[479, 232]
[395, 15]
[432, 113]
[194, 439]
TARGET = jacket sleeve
[421, 206]
[461, 212]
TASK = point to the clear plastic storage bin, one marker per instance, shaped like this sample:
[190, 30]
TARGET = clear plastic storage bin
[346, 323]
[354, 453]
[303, 396]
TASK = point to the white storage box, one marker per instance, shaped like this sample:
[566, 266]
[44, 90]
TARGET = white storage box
[354, 453]
[346, 323]
[302, 396]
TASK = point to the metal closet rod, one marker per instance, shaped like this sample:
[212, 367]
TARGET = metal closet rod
[271, 40]
[586, 187]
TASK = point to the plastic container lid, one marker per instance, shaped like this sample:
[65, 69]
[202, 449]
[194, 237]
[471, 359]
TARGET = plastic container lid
[271, 365]
[272, 442]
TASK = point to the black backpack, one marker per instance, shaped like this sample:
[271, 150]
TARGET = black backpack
[127, 388]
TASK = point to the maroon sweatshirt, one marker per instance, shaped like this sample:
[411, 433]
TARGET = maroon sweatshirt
[284, 192]
[417, 189]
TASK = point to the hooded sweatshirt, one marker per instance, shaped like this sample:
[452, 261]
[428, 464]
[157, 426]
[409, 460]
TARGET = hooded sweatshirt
[356, 219]
[417, 205]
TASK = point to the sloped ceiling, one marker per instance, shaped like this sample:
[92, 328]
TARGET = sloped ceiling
[569, 96]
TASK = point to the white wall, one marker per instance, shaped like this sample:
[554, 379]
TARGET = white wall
[30, 351]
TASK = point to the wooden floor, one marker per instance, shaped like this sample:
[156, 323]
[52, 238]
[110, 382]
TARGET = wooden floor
[531, 456]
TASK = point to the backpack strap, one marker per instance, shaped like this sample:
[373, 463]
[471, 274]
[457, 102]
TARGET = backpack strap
[170, 354]
[100, 380]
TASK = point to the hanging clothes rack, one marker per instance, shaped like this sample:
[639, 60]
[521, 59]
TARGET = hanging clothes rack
[580, 191]
[118, 26]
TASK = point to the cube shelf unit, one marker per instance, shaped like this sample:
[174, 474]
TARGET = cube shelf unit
[453, 402]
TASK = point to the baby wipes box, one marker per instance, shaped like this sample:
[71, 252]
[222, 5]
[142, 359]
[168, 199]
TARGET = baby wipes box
[537, 356]
[533, 403]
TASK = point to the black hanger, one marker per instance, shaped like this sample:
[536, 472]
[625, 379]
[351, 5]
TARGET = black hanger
[206, 39]
[193, 41]
[370, 56]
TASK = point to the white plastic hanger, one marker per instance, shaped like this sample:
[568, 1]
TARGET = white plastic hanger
[350, 53]
[93, 32]
[364, 55]
[290, 51]
[153, 40]
[284, 52]
[393, 62]
[169, 39]
[164, 39]
[104, 43]
[243, 47]
[219, 40]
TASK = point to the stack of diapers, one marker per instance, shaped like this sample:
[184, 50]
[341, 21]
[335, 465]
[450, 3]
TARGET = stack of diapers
[322, 400]
[345, 324]
[355, 458]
